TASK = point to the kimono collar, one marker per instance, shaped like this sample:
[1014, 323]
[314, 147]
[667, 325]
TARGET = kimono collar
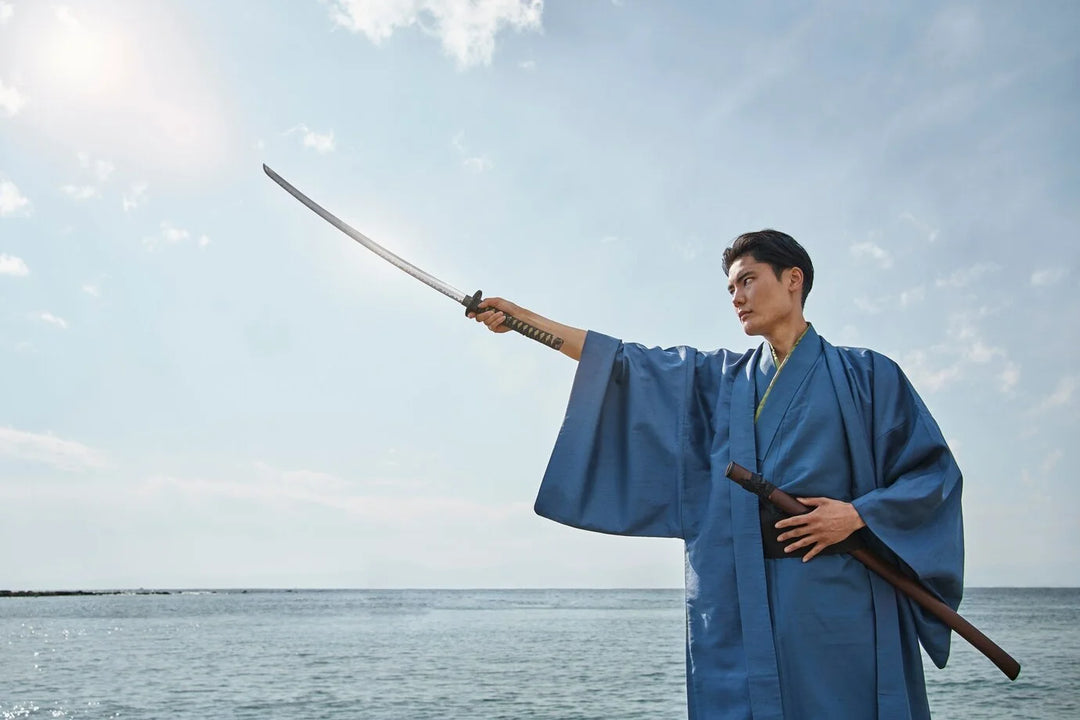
[769, 360]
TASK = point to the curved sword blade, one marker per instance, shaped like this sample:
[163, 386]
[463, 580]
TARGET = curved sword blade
[400, 263]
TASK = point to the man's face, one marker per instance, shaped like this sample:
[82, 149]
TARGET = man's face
[762, 301]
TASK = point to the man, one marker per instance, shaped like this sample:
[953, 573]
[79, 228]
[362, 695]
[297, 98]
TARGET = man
[781, 623]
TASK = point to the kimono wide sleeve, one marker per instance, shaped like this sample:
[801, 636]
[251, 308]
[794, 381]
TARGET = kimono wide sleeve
[915, 511]
[618, 463]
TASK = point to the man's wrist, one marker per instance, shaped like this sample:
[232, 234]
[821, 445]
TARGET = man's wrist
[856, 520]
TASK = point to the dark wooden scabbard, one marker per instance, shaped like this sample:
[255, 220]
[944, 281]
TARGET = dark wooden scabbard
[912, 588]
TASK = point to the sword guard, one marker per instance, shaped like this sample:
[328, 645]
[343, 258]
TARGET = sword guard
[472, 305]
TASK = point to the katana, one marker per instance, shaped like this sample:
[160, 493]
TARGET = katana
[471, 302]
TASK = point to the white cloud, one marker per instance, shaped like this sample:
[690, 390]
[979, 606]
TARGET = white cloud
[6, 11]
[965, 276]
[1062, 394]
[12, 202]
[963, 355]
[49, 450]
[912, 296]
[965, 336]
[866, 305]
[134, 197]
[170, 234]
[1051, 461]
[689, 247]
[474, 163]
[319, 142]
[11, 265]
[1009, 377]
[64, 15]
[99, 170]
[102, 169]
[874, 252]
[51, 319]
[478, 164]
[930, 232]
[91, 289]
[11, 100]
[403, 501]
[527, 64]
[1047, 276]
[980, 352]
[80, 192]
[466, 28]
[926, 376]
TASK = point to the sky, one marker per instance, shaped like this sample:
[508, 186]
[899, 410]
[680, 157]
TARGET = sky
[202, 384]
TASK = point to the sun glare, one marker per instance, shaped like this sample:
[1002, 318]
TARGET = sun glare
[81, 58]
[126, 79]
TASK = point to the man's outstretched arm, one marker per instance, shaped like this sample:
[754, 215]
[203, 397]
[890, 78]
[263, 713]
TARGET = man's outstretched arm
[495, 309]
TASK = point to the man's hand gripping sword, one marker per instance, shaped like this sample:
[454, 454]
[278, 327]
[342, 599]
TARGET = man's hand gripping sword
[471, 302]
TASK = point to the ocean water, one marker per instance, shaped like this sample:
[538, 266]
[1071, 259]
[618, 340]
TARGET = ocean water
[397, 654]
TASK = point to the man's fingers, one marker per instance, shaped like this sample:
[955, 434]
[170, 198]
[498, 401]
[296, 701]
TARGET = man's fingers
[793, 521]
[799, 544]
[813, 552]
[793, 534]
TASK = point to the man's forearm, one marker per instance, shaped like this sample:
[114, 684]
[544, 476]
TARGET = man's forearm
[573, 338]
[493, 310]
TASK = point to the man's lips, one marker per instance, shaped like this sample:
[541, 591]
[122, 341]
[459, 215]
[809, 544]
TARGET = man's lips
[743, 314]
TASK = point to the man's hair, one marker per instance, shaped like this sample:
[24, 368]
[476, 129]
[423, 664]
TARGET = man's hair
[777, 249]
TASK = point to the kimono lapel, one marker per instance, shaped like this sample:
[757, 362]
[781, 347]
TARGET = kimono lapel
[764, 683]
[785, 385]
[892, 695]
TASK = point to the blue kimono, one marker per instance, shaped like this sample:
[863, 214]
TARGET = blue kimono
[647, 436]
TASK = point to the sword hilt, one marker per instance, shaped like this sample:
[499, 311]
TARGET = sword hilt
[472, 305]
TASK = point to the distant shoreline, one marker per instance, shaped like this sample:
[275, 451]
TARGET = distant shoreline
[64, 593]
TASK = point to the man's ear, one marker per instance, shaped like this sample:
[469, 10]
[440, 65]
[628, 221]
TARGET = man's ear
[795, 280]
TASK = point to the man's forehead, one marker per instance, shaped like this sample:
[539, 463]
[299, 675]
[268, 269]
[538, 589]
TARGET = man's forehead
[744, 264]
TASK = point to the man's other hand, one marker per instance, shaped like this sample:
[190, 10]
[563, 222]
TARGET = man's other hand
[830, 522]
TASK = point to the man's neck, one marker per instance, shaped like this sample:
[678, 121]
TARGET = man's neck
[783, 339]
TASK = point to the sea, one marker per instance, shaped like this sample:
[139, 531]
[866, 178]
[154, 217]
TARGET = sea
[447, 654]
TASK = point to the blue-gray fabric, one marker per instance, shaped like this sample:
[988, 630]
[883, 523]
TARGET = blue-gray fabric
[647, 436]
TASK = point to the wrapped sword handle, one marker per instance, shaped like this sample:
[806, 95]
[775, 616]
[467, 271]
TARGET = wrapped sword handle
[472, 305]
